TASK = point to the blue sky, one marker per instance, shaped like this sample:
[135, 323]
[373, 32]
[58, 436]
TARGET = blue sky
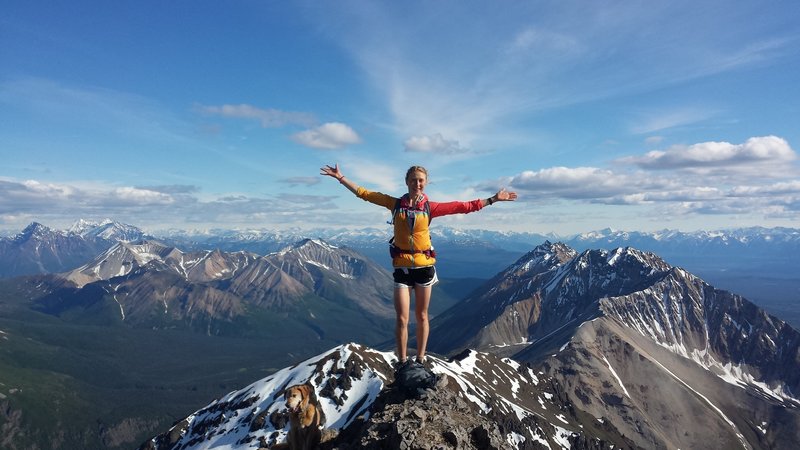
[201, 114]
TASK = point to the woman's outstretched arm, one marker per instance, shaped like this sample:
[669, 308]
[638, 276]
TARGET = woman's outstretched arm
[336, 173]
[377, 198]
[447, 208]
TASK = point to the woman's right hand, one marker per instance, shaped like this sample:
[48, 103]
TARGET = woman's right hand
[332, 172]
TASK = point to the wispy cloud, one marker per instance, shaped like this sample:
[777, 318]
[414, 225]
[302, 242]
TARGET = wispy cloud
[517, 65]
[435, 143]
[98, 110]
[267, 117]
[297, 181]
[670, 119]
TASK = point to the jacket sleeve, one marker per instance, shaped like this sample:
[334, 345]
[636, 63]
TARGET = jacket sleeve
[380, 199]
[446, 208]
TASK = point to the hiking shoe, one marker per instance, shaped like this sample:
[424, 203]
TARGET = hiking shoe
[401, 364]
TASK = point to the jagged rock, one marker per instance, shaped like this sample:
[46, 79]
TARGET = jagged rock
[440, 420]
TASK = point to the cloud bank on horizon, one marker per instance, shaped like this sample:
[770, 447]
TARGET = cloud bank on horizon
[665, 115]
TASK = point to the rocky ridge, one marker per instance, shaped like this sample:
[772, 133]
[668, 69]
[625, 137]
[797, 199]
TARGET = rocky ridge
[482, 402]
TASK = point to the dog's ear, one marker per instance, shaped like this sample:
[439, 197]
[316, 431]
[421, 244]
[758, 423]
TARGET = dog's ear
[311, 394]
[305, 391]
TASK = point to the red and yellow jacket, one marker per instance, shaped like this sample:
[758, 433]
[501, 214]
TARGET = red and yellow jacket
[411, 234]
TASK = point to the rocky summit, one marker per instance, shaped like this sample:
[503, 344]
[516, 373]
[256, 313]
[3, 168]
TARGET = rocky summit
[481, 402]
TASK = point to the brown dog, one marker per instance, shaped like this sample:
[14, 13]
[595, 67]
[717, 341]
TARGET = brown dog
[305, 418]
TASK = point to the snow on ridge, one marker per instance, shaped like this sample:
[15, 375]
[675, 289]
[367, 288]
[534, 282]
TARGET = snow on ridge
[265, 397]
[673, 340]
[324, 244]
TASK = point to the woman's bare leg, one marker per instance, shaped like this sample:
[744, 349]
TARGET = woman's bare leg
[402, 300]
[422, 298]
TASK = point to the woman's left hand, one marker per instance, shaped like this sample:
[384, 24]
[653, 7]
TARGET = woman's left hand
[505, 196]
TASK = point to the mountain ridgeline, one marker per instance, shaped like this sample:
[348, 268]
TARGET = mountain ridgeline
[149, 284]
[598, 349]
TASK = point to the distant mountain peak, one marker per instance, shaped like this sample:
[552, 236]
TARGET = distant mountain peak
[543, 257]
[34, 230]
[314, 242]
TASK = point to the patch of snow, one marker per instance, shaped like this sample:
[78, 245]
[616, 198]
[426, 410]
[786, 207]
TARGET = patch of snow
[515, 439]
[619, 380]
[562, 436]
[121, 309]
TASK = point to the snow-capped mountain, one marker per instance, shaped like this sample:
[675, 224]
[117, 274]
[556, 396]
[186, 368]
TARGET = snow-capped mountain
[125, 257]
[151, 284]
[546, 291]
[482, 402]
[630, 336]
[107, 230]
[40, 249]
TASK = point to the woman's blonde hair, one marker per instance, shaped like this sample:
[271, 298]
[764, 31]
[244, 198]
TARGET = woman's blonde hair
[413, 169]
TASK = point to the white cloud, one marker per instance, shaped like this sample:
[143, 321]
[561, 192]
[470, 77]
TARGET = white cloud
[60, 204]
[574, 183]
[329, 136]
[756, 151]
[435, 143]
[676, 187]
[137, 196]
[782, 188]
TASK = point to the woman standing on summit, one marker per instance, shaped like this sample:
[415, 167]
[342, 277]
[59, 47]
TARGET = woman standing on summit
[412, 254]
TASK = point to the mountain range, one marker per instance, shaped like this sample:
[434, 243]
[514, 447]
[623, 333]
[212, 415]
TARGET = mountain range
[598, 349]
[39, 249]
[46, 250]
[564, 346]
[150, 284]
[759, 263]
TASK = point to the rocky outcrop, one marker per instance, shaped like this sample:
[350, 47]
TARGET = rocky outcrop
[481, 402]
[442, 419]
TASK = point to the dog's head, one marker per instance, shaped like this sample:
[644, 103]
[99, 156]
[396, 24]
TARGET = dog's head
[298, 397]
